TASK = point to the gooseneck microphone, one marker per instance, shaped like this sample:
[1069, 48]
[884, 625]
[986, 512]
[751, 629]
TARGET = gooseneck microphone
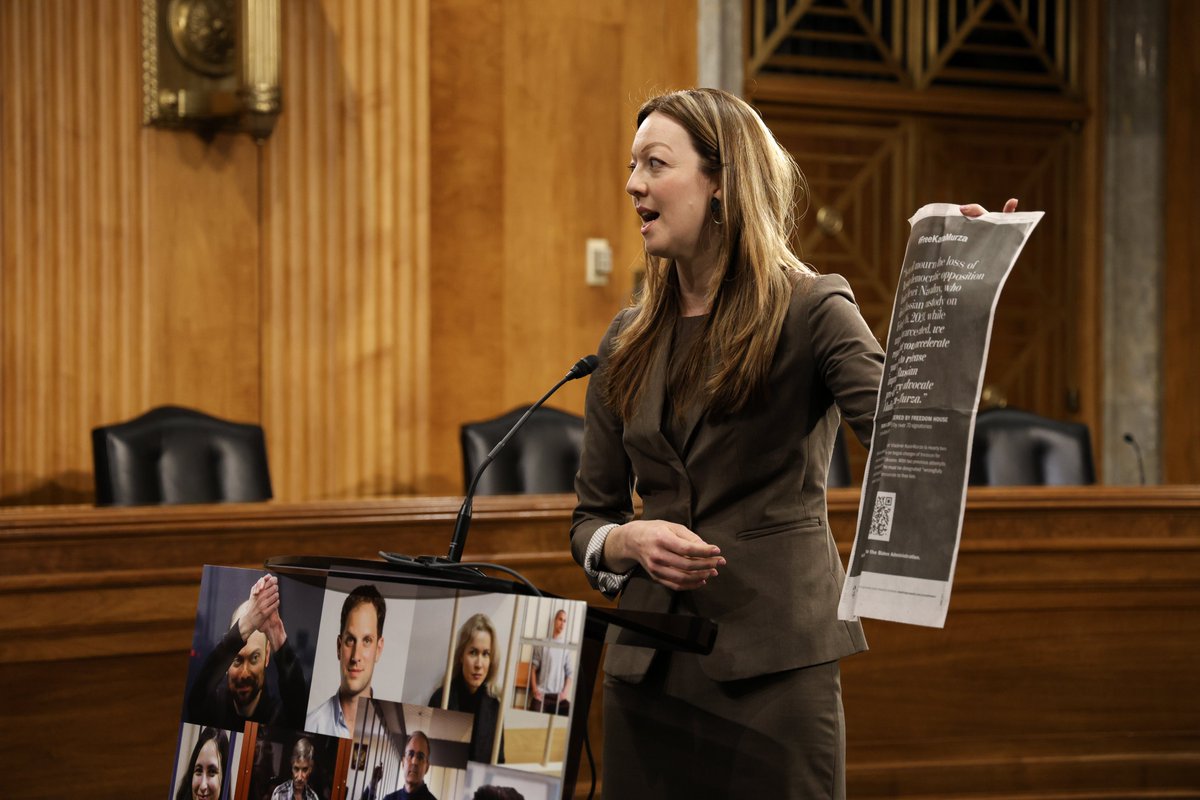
[583, 367]
[1137, 451]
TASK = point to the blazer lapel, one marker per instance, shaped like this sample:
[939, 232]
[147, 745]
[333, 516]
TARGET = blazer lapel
[648, 421]
[691, 421]
[692, 416]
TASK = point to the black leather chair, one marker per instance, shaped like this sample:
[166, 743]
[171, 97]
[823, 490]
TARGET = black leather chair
[177, 455]
[1017, 448]
[839, 465]
[541, 459]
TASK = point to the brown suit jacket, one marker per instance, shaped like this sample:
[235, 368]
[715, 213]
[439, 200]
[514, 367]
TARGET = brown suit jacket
[752, 483]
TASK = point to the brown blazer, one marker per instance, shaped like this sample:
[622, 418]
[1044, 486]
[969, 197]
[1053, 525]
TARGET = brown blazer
[752, 483]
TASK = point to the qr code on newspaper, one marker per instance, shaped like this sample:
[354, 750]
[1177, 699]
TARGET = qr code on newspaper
[881, 517]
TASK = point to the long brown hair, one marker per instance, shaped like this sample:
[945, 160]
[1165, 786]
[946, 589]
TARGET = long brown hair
[751, 288]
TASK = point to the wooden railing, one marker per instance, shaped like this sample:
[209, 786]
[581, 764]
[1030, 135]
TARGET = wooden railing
[1066, 667]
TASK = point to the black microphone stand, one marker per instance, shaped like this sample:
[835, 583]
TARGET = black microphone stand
[462, 524]
[1137, 451]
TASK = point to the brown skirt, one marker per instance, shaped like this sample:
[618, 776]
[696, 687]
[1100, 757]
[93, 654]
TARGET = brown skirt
[680, 734]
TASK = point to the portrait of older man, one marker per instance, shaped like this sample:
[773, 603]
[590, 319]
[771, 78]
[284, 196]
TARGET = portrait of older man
[413, 767]
[299, 787]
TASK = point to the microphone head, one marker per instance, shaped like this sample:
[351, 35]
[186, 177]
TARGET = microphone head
[584, 366]
[1128, 437]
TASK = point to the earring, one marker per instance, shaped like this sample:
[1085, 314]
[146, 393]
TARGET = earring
[714, 207]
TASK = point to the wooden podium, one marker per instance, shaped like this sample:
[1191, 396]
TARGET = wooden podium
[672, 632]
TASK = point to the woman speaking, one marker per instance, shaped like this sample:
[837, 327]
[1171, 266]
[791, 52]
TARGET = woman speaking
[718, 397]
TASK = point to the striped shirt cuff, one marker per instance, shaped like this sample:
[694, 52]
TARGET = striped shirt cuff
[609, 583]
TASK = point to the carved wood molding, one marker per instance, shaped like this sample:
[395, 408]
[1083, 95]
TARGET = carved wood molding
[79, 582]
[1024, 46]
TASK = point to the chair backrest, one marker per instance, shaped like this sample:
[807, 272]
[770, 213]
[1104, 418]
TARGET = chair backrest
[541, 459]
[177, 455]
[1017, 448]
[839, 464]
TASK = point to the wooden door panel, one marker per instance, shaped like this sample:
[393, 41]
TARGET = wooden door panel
[868, 172]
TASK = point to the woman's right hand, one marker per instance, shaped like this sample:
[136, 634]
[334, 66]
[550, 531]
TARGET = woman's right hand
[669, 553]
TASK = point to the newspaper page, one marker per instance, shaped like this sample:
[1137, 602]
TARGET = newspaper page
[914, 492]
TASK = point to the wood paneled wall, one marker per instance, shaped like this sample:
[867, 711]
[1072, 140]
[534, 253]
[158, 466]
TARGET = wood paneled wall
[404, 254]
[1181, 296]
[888, 107]
[345, 212]
[130, 272]
[535, 105]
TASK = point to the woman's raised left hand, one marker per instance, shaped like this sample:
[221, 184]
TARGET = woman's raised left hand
[976, 210]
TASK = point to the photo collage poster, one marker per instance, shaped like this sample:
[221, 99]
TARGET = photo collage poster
[374, 690]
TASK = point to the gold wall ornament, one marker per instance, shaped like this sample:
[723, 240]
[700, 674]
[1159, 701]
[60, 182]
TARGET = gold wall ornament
[993, 397]
[829, 220]
[211, 65]
[202, 33]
